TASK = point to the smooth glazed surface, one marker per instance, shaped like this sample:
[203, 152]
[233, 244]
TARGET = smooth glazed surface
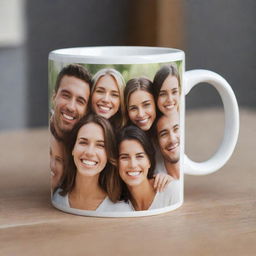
[117, 55]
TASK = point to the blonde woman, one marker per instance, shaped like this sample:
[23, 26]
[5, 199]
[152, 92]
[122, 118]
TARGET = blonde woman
[107, 98]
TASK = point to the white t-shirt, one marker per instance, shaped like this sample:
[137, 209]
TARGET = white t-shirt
[160, 167]
[170, 196]
[106, 206]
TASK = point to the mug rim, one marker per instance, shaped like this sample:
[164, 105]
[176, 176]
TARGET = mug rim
[117, 54]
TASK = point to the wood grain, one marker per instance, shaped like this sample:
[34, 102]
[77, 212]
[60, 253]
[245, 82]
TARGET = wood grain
[217, 218]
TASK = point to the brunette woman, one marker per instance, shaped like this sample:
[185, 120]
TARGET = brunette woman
[136, 170]
[90, 177]
[140, 104]
[167, 89]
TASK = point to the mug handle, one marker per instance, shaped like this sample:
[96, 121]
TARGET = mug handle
[226, 148]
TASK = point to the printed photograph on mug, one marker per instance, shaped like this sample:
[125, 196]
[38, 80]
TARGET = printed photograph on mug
[114, 136]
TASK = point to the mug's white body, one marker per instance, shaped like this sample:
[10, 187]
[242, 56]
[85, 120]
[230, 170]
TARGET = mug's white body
[139, 56]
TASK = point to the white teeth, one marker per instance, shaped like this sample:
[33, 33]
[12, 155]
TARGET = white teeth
[133, 173]
[174, 146]
[52, 173]
[104, 108]
[68, 117]
[169, 106]
[143, 121]
[91, 163]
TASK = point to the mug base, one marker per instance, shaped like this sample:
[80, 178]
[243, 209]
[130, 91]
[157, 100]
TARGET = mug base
[117, 214]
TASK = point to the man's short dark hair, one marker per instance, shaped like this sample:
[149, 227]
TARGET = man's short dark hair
[75, 70]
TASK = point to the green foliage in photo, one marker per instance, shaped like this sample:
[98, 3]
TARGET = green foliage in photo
[128, 71]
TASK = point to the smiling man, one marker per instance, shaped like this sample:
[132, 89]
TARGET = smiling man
[57, 160]
[168, 133]
[70, 99]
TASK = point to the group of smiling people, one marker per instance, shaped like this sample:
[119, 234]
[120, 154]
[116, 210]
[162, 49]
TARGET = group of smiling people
[115, 146]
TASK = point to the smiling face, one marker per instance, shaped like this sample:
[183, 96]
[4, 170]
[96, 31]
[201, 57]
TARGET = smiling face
[106, 97]
[70, 103]
[168, 132]
[168, 98]
[133, 163]
[89, 151]
[56, 161]
[141, 109]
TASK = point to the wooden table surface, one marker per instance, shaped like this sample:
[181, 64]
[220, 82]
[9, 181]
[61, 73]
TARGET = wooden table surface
[217, 218]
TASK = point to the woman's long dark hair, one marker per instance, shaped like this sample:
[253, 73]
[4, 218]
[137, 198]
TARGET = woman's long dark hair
[134, 133]
[159, 79]
[108, 178]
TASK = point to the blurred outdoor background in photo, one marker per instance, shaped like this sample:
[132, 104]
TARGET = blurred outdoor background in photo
[216, 35]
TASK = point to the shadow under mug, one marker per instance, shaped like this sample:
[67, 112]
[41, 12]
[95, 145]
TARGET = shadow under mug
[117, 129]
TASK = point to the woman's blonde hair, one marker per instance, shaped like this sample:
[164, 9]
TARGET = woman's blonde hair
[119, 118]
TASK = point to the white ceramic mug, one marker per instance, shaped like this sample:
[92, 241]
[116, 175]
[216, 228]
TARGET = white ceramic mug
[117, 129]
